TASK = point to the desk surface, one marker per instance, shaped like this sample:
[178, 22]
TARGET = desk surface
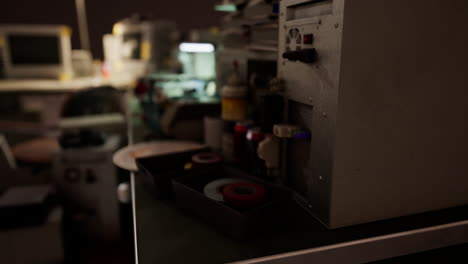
[46, 85]
[165, 233]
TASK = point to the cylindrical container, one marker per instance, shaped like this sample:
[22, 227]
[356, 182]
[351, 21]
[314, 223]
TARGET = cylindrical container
[234, 103]
[254, 137]
[240, 142]
[213, 132]
[227, 141]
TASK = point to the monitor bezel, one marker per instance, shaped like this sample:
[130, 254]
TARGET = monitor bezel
[62, 70]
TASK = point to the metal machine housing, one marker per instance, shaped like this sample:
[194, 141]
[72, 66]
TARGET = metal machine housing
[386, 103]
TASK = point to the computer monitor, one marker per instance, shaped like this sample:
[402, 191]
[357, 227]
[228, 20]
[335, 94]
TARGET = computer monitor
[145, 45]
[198, 60]
[36, 51]
[136, 40]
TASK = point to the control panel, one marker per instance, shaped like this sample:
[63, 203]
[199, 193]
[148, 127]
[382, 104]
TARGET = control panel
[309, 64]
[299, 47]
[310, 48]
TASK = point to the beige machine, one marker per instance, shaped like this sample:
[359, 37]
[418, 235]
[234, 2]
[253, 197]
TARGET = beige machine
[87, 179]
[382, 85]
[138, 46]
[50, 56]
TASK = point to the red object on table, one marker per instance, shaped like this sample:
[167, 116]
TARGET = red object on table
[240, 142]
[243, 194]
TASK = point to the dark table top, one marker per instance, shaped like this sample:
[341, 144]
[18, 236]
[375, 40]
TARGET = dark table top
[165, 232]
[168, 234]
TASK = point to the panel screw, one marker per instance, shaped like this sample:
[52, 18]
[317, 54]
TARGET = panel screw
[337, 25]
[310, 99]
[310, 206]
[324, 114]
[320, 178]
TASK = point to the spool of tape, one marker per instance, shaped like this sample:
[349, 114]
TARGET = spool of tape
[243, 194]
[207, 158]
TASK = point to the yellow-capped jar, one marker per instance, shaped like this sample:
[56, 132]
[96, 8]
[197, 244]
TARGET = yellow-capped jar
[234, 103]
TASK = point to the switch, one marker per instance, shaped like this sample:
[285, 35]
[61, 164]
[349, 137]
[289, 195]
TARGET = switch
[308, 39]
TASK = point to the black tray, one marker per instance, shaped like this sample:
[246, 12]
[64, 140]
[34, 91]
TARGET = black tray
[237, 223]
[157, 171]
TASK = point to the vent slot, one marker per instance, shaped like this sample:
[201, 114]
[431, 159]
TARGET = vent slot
[309, 9]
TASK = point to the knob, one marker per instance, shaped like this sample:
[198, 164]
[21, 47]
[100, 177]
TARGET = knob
[307, 55]
[308, 39]
[304, 55]
[290, 55]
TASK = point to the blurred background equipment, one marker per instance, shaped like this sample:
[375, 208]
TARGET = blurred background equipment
[85, 117]
[7, 161]
[92, 128]
[40, 242]
[31, 217]
[198, 60]
[184, 120]
[142, 46]
[213, 129]
[50, 57]
[82, 63]
[87, 180]
[83, 25]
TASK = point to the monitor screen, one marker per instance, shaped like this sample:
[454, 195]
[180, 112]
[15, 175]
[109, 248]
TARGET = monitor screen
[198, 59]
[132, 45]
[35, 50]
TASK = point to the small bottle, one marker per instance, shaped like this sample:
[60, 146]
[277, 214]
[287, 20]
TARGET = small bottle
[234, 98]
[254, 136]
[240, 142]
